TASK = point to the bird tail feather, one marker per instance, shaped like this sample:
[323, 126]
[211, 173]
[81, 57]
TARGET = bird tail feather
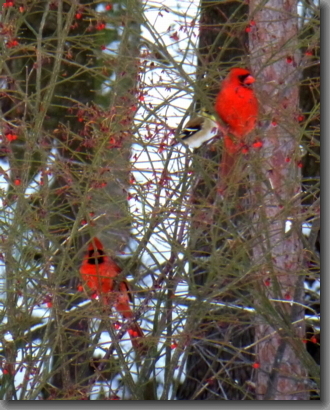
[138, 339]
[229, 170]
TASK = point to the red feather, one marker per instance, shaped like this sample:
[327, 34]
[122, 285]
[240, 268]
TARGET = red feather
[237, 106]
[98, 272]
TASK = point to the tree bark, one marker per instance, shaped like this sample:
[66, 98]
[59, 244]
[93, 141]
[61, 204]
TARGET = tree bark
[278, 254]
[214, 371]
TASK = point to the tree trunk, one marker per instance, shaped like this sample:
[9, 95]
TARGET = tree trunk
[276, 188]
[214, 371]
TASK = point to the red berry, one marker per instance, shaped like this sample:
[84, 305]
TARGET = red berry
[175, 36]
[12, 43]
[17, 182]
[108, 7]
[287, 296]
[133, 333]
[256, 365]
[289, 59]
[11, 137]
[100, 26]
[117, 325]
[313, 339]
[248, 29]
[257, 144]
[78, 16]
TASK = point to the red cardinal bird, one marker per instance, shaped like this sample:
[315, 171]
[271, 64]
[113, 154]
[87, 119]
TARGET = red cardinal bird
[237, 106]
[99, 272]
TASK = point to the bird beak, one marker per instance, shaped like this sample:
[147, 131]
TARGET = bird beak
[249, 80]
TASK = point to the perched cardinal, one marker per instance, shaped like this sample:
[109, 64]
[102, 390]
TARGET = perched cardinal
[99, 272]
[198, 130]
[237, 106]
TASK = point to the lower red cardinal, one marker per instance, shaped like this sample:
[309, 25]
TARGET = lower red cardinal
[99, 272]
[237, 106]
